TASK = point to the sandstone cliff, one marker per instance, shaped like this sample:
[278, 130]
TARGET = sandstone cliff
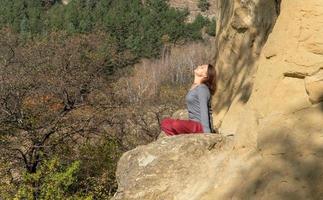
[269, 109]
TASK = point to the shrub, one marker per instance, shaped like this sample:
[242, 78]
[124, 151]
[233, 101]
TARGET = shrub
[203, 5]
[51, 181]
[211, 27]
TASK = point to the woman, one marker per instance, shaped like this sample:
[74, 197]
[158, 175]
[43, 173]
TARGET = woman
[198, 101]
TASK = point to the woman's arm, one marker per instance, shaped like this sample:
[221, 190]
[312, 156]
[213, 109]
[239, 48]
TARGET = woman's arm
[204, 96]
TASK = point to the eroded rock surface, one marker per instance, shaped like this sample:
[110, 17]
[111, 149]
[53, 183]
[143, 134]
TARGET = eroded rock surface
[164, 167]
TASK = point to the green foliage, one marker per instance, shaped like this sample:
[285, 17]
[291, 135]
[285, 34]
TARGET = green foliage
[99, 163]
[136, 27]
[51, 181]
[24, 16]
[211, 27]
[7, 188]
[78, 16]
[140, 28]
[195, 27]
[204, 5]
[175, 28]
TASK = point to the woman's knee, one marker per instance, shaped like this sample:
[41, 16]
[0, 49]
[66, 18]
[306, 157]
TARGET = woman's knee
[166, 122]
[176, 125]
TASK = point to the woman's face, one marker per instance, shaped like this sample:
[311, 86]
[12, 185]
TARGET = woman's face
[201, 71]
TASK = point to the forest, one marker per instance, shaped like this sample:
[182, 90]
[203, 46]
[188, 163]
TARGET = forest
[72, 100]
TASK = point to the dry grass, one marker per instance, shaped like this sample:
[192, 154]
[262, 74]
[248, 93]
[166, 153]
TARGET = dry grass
[175, 68]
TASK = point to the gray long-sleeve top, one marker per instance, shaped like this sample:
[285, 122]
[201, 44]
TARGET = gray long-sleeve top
[199, 106]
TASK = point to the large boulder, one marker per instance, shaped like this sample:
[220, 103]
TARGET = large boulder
[160, 170]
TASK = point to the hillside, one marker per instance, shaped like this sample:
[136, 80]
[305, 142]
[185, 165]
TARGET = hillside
[82, 82]
[193, 7]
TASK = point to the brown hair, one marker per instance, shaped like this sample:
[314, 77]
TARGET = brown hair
[211, 79]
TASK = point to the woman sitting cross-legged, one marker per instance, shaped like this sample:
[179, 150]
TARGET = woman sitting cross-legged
[198, 101]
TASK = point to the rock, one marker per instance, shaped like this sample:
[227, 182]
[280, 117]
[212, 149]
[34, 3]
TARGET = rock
[241, 20]
[65, 2]
[180, 114]
[275, 88]
[283, 114]
[314, 87]
[162, 134]
[242, 30]
[159, 170]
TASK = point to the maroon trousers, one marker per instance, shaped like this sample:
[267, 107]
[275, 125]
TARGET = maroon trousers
[180, 126]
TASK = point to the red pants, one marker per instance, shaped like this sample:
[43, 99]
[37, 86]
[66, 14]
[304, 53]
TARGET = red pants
[179, 126]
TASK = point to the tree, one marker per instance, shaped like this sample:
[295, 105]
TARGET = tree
[54, 98]
[37, 100]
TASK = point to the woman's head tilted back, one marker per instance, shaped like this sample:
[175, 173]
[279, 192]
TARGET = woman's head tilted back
[207, 75]
[210, 79]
